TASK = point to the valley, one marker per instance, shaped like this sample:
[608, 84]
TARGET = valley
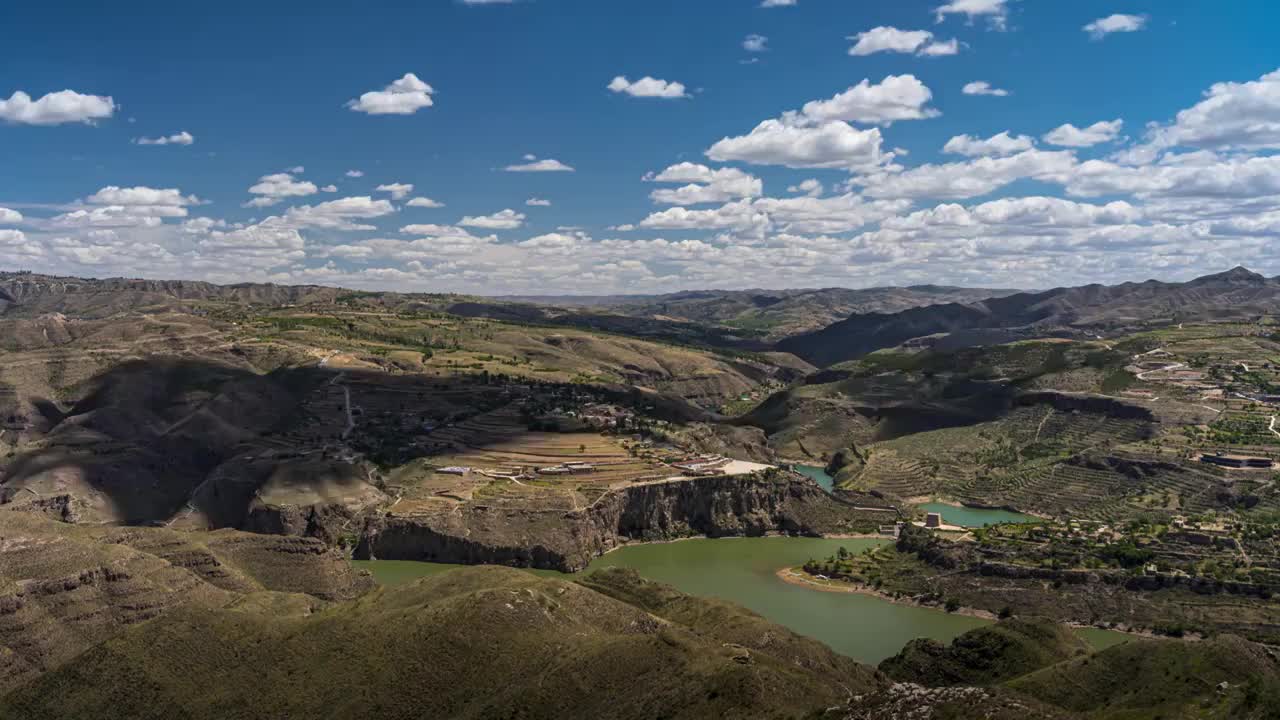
[229, 460]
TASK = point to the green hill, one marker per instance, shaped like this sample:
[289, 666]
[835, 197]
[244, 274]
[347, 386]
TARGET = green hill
[987, 655]
[475, 642]
[1226, 677]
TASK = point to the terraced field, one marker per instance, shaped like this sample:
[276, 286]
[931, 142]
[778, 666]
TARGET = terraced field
[1045, 461]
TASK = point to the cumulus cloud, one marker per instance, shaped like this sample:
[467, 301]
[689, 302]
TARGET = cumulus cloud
[424, 202]
[755, 43]
[398, 191]
[141, 195]
[777, 3]
[537, 202]
[704, 185]
[332, 215]
[9, 217]
[533, 164]
[885, 38]
[329, 189]
[1103, 27]
[1069, 135]
[833, 144]
[999, 144]
[1232, 115]
[503, 220]
[355, 173]
[810, 186]
[271, 189]
[982, 87]
[405, 96]
[648, 87]
[56, 108]
[971, 178]
[179, 138]
[897, 97]
[995, 11]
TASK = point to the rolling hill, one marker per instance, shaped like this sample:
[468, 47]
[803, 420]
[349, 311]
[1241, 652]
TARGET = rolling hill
[1234, 294]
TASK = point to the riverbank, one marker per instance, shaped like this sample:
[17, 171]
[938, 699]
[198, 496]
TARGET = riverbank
[771, 534]
[798, 577]
[794, 576]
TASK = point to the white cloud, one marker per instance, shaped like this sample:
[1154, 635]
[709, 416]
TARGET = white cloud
[1103, 27]
[833, 144]
[1194, 175]
[897, 97]
[503, 220]
[9, 217]
[738, 215]
[1232, 115]
[329, 189]
[755, 43]
[1069, 135]
[890, 39]
[811, 187]
[424, 202]
[705, 185]
[940, 48]
[777, 3]
[970, 178]
[995, 11]
[999, 144]
[355, 173]
[179, 138]
[398, 191]
[405, 96]
[296, 170]
[117, 216]
[56, 108]
[141, 195]
[537, 202]
[271, 189]
[648, 87]
[535, 165]
[982, 87]
[333, 214]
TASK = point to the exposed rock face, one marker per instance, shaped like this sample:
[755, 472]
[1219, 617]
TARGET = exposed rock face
[1080, 402]
[712, 506]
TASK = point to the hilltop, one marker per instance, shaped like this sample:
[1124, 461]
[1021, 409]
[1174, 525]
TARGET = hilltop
[1235, 294]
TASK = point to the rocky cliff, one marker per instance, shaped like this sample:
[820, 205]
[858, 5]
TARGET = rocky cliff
[567, 541]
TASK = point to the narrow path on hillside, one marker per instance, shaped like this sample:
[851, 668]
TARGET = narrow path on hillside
[346, 395]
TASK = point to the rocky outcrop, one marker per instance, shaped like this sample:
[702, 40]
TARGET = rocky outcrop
[711, 506]
[1082, 402]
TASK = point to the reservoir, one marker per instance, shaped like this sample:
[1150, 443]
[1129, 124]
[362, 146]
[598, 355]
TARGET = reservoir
[974, 517]
[742, 570]
[818, 474]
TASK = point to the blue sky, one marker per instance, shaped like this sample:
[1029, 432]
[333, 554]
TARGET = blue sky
[244, 92]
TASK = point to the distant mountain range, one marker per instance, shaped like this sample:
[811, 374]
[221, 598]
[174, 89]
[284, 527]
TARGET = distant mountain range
[1235, 294]
[776, 313]
[822, 326]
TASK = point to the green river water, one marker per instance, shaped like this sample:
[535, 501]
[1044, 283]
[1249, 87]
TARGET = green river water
[818, 474]
[743, 570]
[974, 517]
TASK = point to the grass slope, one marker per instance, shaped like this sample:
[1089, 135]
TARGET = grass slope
[987, 655]
[477, 642]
